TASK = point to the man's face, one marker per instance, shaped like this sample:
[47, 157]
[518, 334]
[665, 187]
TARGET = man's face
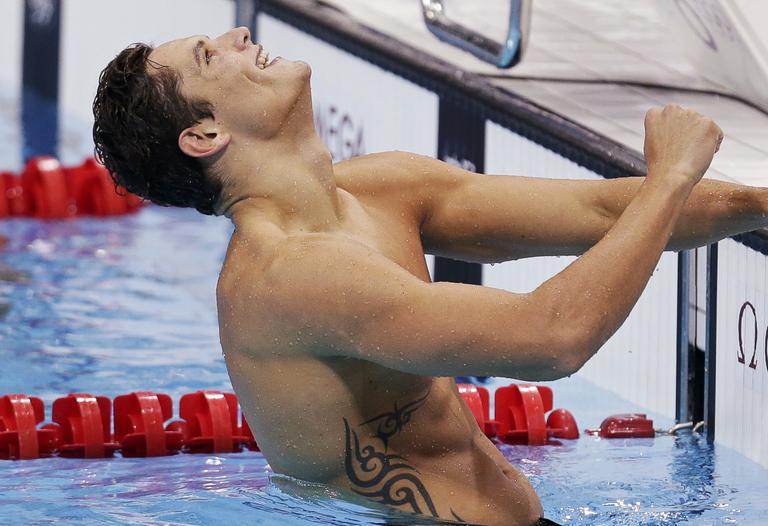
[249, 96]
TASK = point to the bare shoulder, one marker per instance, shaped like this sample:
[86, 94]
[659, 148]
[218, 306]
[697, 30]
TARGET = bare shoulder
[391, 171]
[261, 290]
[297, 270]
[366, 170]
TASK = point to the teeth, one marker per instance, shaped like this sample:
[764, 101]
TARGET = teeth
[263, 60]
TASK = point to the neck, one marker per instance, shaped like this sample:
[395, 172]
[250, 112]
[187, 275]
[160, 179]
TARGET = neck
[289, 183]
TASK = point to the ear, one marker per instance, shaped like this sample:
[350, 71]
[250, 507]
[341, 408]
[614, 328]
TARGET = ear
[204, 139]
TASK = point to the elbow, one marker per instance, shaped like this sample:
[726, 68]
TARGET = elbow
[573, 337]
[569, 351]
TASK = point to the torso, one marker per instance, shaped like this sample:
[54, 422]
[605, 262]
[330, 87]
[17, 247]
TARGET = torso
[339, 420]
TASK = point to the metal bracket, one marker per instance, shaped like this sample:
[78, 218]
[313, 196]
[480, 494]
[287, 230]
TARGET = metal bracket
[502, 55]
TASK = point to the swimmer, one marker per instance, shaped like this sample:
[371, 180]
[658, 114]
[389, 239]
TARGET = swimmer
[340, 349]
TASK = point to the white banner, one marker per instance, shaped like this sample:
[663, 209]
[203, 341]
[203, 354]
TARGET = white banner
[741, 387]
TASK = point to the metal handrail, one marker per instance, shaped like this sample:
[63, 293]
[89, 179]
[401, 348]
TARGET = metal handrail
[502, 55]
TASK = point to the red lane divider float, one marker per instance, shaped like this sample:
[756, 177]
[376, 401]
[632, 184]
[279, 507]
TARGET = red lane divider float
[139, 419]
[13, 201]
[44, 183]
[211, 422]
[84, 422]
[520, 410]
[19, 437]
[632, 425]
[520, 417]
[82, 426]
[47, 190]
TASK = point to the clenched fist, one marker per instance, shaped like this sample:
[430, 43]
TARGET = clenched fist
[679, 144]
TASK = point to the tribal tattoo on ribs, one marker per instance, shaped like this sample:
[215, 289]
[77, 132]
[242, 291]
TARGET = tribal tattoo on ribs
[390, 424]
[383, 477]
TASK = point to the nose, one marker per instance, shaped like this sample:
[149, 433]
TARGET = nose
[239, 38]
[242, 37]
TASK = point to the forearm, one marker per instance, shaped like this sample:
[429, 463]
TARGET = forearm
[592, 297]
[714, 210]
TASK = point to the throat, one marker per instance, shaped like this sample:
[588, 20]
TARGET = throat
[311, 207]
[292, 187]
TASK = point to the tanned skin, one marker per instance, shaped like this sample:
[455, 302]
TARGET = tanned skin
[340, 348]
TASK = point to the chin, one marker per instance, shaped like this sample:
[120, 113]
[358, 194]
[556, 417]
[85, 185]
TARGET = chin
[306, 68]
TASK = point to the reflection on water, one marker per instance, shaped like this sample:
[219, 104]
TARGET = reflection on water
[114, 305]
[667, 480]
[118, 305]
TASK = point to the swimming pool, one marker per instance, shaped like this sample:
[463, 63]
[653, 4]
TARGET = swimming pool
[117, 305]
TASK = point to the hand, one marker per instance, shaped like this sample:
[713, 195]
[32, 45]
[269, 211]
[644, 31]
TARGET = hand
[679, 144]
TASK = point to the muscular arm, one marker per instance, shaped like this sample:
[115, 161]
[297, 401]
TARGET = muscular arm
[486, 218]
[341, 298]
[345, 299]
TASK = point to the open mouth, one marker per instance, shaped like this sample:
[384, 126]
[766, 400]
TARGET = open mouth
[262, 59]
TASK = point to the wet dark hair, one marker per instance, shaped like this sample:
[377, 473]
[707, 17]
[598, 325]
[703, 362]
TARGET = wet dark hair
[138, 117]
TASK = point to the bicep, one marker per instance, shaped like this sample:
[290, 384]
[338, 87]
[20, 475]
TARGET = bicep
[367, 307]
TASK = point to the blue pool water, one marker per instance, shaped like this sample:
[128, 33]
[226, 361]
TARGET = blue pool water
[113, 306]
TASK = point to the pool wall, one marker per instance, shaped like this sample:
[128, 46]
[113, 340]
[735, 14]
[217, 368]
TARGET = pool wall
[374, 93]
